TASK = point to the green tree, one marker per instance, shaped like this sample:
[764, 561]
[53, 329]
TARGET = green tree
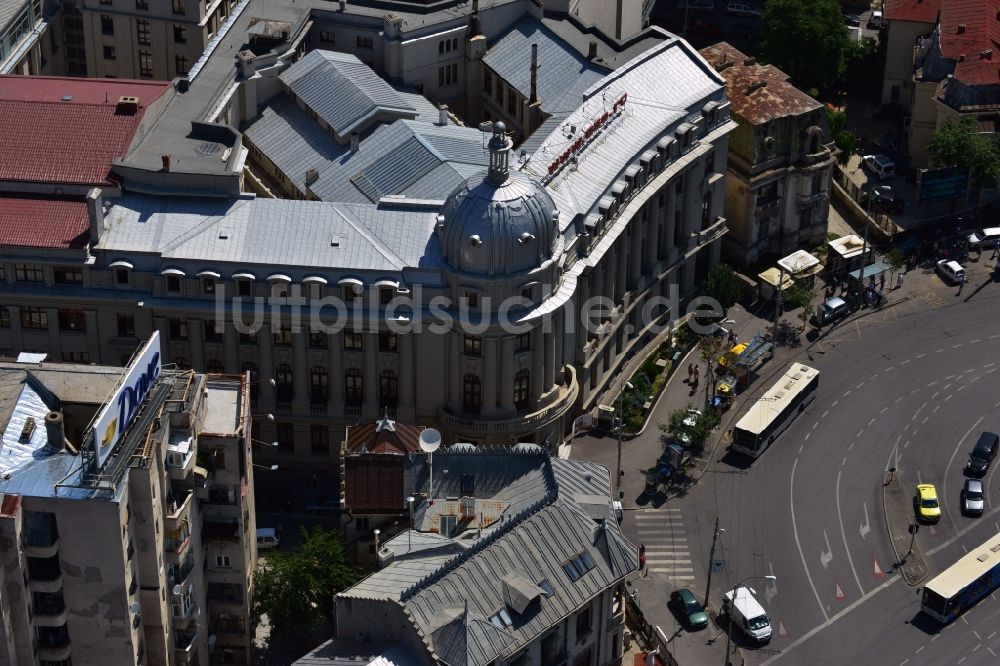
[694, 432]
[710, 349]
[896, 260]
[296, 588]
[800, 296]
[723, 285]
[807, 39]
[961, 144]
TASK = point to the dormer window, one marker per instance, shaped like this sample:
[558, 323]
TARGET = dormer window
[208, 285]
[122, 272]
[173, 283]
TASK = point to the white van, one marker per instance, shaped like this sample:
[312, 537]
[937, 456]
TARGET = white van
[747, 613]
[984, 238]
[267, 538]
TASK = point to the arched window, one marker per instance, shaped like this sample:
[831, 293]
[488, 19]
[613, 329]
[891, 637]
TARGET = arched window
[354, 387]
[283, 383]
[251, 367]
[319, 385]
[472, 394]
[214, 365]
[522, 385]
[388, 389]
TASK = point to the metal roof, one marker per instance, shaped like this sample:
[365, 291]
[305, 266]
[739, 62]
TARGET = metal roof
[343, 91]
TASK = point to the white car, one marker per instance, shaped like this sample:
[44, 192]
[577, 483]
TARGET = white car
[742, 9]
[984, 238]
[880, 165]
[951, 270]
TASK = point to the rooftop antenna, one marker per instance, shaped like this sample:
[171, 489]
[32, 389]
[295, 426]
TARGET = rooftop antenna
[430, 441]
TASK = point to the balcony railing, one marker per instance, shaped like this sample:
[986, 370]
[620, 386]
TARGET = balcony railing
[766, 205]
[809, 199]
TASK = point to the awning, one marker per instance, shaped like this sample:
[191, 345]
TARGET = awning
[870, 271]
[278, 277]
[121, 264]
[314, 279]
[173, 271]
[386, 282]
[243, 276]
[350, 282]
[211, 274]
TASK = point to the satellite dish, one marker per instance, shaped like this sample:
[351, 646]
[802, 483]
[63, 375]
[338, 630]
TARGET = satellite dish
[211, 641]
[430, 440]
[177, 590]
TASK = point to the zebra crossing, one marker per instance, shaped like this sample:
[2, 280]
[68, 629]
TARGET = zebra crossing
[667, 554]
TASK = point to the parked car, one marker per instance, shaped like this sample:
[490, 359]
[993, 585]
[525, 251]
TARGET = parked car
[973, 499]
[689, 608]
[890, 202]
[875, 20]
[951, 270]
[926, 501]
[880, 165]
[833, 309]
[267, 537]
[982, 454]
[707, 6]
[984, 238]
[324, 506]
[853, 20]
[742, 9]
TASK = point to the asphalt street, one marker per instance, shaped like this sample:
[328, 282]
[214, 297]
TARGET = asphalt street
[906, 386]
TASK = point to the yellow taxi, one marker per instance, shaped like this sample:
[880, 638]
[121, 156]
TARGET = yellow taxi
[928, 507]
[733, 354]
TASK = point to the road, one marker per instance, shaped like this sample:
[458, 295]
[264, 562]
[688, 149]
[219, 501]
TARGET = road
[900, 387]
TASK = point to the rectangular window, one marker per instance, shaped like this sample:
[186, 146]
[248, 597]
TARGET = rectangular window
[387, 341]
[207, 284]
[68, 275]
[142, 5]
[145, 63]
[364, 42]
[75, 357]
[472, 345]
[26, 273]
[178, 328]
[283, 336]
[107, 25]
[4, 317]
[181, 65]
[499, 96]
[318, 340]
[72, 320]
[523, 342]
[319, 440]
[584, 622]
[110, 53]
[454, 73]
[353, 341]
[211, 334]
[285, 437]
[126, 326]
[121, 276]
[326, 36]
[174, 283]
[244, 287]
[180, 34]
[222, 561]
[511, 101]
[34, 318]
[178, 6]
[472, 298]
[468, 485]
[142, 32]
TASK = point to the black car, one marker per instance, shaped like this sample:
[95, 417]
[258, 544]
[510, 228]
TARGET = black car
[982, 454]
[853, 20]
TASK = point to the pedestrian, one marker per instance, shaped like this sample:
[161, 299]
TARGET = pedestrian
[961, 284]
[996, 250]
[697, 372]
[690, 372]
[881, 282]
[899, 280]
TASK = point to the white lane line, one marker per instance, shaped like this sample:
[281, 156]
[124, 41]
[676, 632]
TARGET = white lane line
[906, 443]
[962, 659]
[798, 544]
[679, 570]
[815, 424]
[800, 447]
[920, 649]
[935, 637]
[834, 403]
[825, 413]
[990, 637]
[847, 393]
[850, 446]
[936, 407]
[990, 365]
[976, 634]
[844, 461]
[959, 389]
[977, 647]
[990, 650]
[945, 387]
[956, 346]
[950, 396]
[933, 383]
[904, 362]
[859, 385]
[972, 342]
[806, 438]
[904, 662]
[925, 420]
[884, 410]
[897, 400]
[861, 432]
[871, 420]
[938, 351]
[921, 355]
[815, 630]
[843, 535]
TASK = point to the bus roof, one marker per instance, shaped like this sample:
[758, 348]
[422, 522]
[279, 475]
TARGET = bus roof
[969, 568]
[772, 403]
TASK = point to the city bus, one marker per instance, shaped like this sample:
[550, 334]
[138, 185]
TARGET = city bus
[775, 410]
[958, 588]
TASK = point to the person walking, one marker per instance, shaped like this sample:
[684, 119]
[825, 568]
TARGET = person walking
[899, 280]
[881, 282]
[961, 284]
[996, 250]
[690, 372]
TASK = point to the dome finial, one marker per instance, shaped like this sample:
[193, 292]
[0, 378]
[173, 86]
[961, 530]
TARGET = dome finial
[499, 146]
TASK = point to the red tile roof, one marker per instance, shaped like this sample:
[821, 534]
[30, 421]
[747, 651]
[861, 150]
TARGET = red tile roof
[970, 35]
[59, 130]
[49, 223]
[918, 11]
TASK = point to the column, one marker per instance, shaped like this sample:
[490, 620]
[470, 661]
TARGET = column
[406, 342]
[654, 220]
[232, 350]
[670, 217]
[93, 336]
[196, 341]
[54, 333]
[609, 266]
[622, 273]
[371, 406]
[336, 366]
[300, 370]
[635, 253]
[507, 375]
[454, 363]
[266, 372]
[557, 334]
[489, 376]
[537, 362]
[550, 359]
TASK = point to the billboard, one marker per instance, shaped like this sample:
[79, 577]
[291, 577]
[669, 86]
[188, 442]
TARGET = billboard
[114, 418]
[943, 184]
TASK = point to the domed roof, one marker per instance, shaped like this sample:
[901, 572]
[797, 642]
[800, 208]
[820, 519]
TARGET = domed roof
[501, 222]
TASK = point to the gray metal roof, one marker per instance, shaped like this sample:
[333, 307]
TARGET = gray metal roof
[563, 74]
[344, 92]
[352, 653]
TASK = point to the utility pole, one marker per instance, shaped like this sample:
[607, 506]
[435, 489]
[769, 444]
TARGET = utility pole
[620, 426]
[711, 559]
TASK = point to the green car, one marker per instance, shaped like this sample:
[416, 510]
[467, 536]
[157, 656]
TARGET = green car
[685, 602]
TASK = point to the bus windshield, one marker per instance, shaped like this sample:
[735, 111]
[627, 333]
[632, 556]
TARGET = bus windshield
[934, 601]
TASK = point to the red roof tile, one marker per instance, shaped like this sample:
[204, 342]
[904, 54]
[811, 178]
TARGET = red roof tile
[918, 11]
[48, 223]
[44, 138]
[968, 27]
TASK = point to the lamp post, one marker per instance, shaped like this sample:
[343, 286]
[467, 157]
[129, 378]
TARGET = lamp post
[621, 426]
[729, 623]
[409, 534]
[377, 532]
[711, 557]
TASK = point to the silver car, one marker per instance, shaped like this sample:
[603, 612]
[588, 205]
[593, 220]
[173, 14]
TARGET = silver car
[973, 499]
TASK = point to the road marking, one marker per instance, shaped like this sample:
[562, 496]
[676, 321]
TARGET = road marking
[798, 543]
[990, 637]
[825, 413]
[865, 527]
[859, 385]
[962, 659]
[990, 650]
[976, 634]
[950, 396]
[850, 447]
[977, 647]
[800, 447]
[806, 438]
[906, 443]
[945, 387]
[843, 535]
[862, 431]
[884, 410]
[904, 362]
[847, 609]
[847, 393]
[972, 342]
[938, 351]
[936, 407]
[826, 556]
[920, 649]
[921, 355]
[897, 400]
[844, 461]
[933, 383]
[925, 420]
[904, 662]
[815, 424]
[834, 404]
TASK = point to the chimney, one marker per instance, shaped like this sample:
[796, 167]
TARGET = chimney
[474, 20]
[533, 100]
[312, 175]
[591, 49]
[166, 162]
[55, 433]
[961, 28]
[95, 213]
[443, 115]
[355, 142]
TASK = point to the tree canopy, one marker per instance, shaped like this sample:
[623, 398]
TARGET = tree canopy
[723, 285]
[807, 39]
[296, 588]
[960, 144]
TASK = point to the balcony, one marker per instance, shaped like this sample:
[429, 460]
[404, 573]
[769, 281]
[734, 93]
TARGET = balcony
[184, 646]
[53, 643]
[766, 206]
[712, 232]
[40, 537]
[49, 610]
[221, 529]
[177, 573]
[224, 623]
[44, 575]
[177, 546]
[178, 507]
[180, 454]
[805, 200]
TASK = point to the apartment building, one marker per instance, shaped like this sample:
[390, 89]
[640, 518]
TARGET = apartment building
[514, 559]
[132, 544]
[31, 38]
[780, 162]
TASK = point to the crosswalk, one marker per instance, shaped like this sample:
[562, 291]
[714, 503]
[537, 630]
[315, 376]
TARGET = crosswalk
[667, 554]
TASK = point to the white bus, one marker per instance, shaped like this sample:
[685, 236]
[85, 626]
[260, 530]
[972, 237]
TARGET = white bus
[772, 413]
[958, 588]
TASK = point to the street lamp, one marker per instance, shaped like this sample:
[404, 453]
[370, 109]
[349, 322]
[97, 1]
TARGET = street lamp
[621, 426]
[377, 532]
[409, 534]
[729, 623]
[272, 468]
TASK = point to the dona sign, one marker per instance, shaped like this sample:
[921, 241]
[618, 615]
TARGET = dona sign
[113, 420]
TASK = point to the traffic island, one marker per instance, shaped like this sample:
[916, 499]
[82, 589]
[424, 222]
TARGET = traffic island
[901, 522]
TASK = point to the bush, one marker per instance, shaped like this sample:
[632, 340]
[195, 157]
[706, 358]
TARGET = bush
[723, 285]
